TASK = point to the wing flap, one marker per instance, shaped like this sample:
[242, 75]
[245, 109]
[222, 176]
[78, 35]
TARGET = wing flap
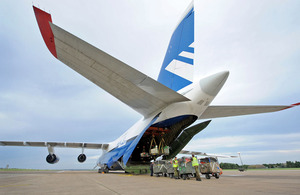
[227, 111]
[55, 144]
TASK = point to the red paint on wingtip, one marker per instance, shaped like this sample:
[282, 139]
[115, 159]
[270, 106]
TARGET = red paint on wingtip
[291, 106]
[297, 104]
[43, 19]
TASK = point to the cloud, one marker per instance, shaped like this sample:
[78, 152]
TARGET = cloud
[269, 156]
[265, 148]
[245, 42]
[41, 99]
[246, 142]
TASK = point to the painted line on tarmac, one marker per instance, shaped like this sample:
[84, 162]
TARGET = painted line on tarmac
[126, 175]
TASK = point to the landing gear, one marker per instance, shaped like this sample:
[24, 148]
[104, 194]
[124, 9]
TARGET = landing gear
[81, 158]
[103, 169]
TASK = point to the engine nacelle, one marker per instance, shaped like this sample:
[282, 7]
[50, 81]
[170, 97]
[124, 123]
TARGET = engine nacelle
[52, 159]
[81, 158]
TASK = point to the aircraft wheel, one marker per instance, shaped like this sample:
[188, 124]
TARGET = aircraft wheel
[103, 169]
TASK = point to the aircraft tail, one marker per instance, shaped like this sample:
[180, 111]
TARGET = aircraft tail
[178, 66]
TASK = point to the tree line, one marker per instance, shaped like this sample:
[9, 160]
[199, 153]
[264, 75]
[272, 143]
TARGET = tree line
[288, 164]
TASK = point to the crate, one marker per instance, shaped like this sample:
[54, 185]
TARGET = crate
[186, 168]
[209, 165]
[154, 151]
[169, 167]
[166, 150]
[159, 167]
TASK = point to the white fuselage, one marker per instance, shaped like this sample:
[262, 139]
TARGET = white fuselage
[200, 93]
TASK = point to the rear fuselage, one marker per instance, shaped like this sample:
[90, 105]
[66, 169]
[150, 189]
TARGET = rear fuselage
[171, 122]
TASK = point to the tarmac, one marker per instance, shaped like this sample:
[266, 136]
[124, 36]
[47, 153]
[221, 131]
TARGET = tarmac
[89, 182]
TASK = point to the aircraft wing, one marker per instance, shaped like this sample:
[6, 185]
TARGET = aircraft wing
[227, 111]
[55, 144]
[127, 84]
[205, 154]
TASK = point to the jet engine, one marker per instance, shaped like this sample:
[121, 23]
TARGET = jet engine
[81, 158]
[52, 159]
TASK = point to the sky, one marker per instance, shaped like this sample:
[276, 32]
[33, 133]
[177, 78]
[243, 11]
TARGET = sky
[41, 99]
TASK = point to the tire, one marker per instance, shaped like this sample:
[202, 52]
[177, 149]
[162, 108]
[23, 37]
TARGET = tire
[81, 158]
[184, 177]
[207, 176]
[217, 175]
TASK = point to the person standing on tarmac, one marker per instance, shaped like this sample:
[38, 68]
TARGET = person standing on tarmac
[151, 168]
[175, 166]
[195, 164]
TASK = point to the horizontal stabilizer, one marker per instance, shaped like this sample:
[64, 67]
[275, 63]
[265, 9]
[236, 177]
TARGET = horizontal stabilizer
[55, 144]
[227, 111]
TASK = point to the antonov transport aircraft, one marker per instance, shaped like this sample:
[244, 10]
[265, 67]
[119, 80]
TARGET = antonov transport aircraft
[169, 106]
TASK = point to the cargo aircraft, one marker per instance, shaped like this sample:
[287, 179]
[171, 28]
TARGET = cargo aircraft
[169, 105]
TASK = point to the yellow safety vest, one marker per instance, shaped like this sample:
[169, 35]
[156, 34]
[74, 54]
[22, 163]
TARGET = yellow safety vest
[175, 163]
[195, 162]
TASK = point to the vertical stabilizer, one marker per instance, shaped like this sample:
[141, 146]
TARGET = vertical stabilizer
[178, 66]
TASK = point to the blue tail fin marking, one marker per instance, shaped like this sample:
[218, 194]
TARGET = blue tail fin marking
[177, 69]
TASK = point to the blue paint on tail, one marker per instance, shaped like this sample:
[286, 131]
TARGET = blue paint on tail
[181, 40]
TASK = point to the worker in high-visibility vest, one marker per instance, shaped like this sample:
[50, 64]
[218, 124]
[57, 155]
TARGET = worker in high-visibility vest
[175, 166]
[195, 164]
